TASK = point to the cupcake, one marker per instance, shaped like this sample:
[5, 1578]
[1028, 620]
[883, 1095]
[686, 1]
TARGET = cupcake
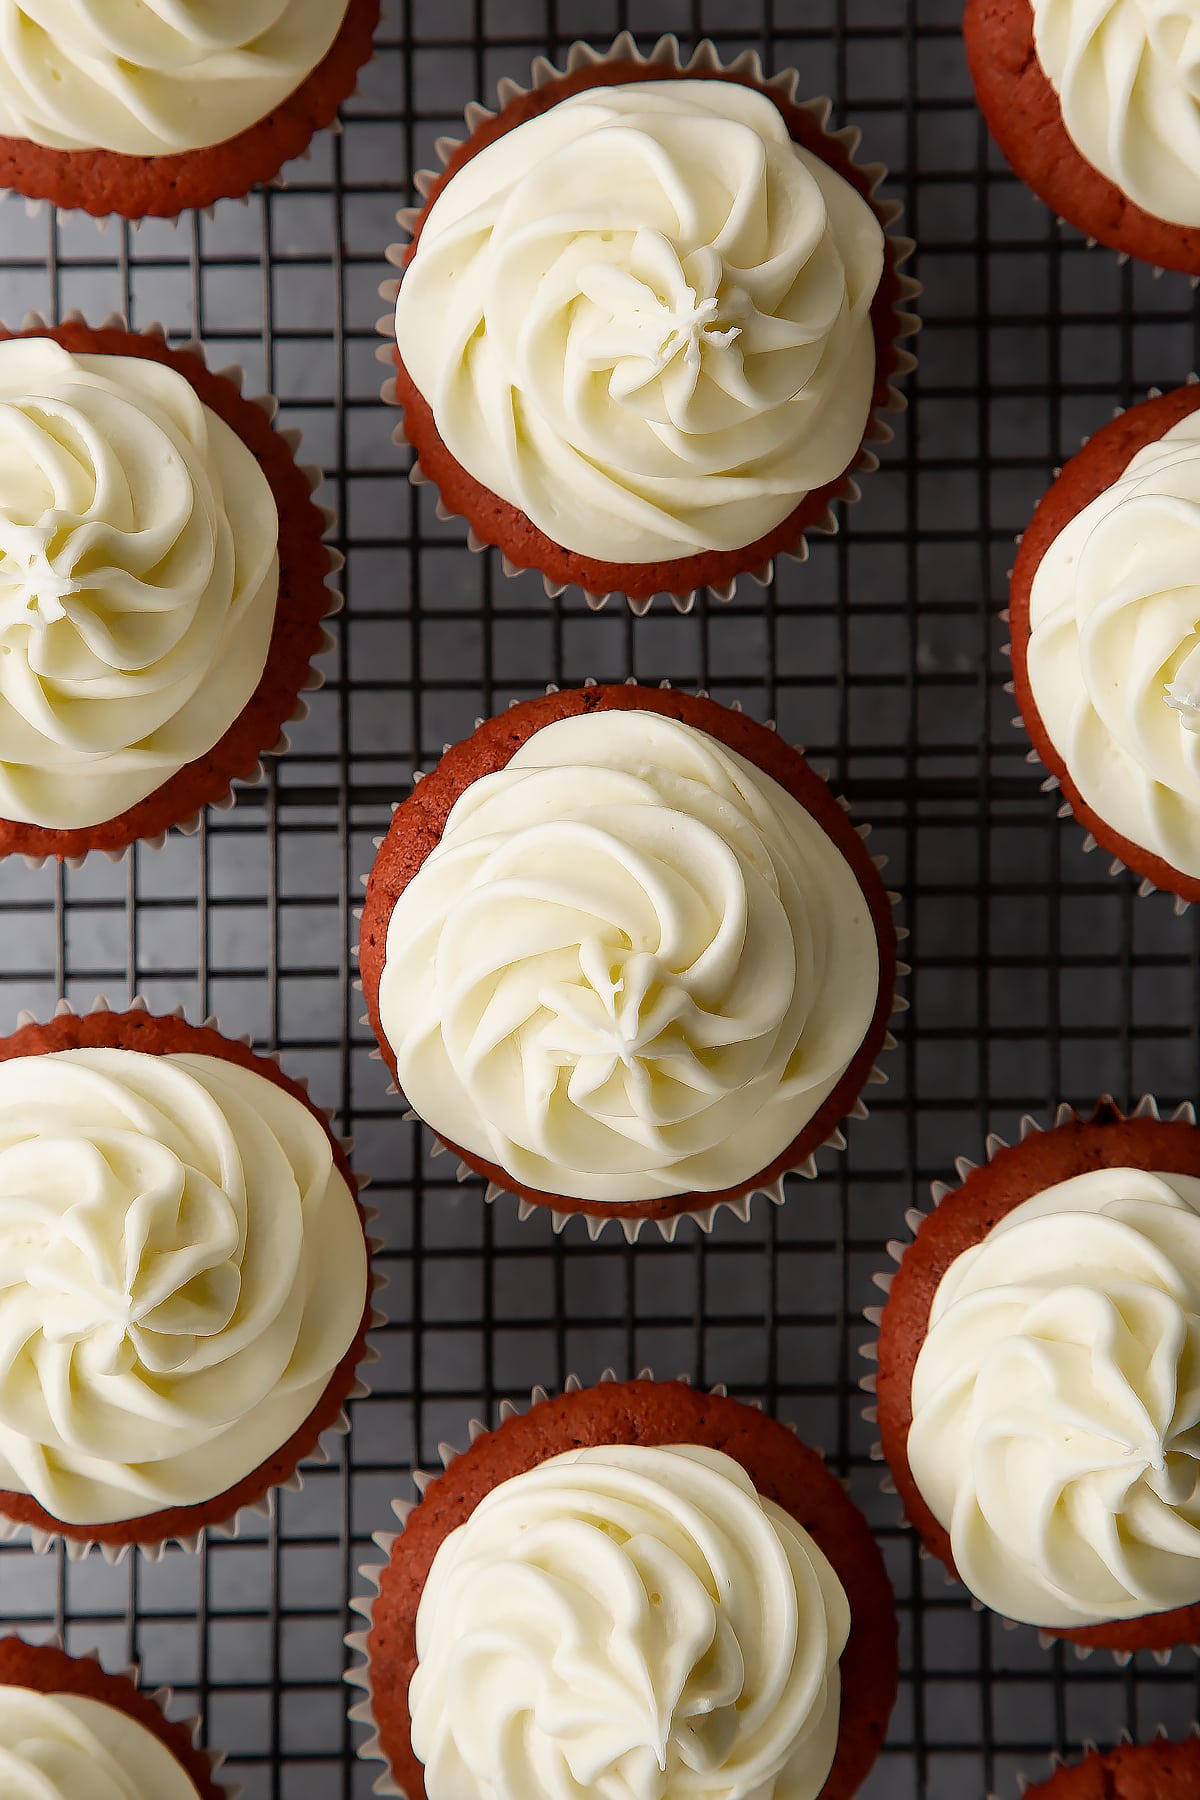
[1160, 1770]
[162, 586]
[626, 955]
[647, 319]
[186, 1292]
[1105, 617]
[1037, 1385]
[633, 1588]
[1097, 109]
[148, 110]
[68, 1728]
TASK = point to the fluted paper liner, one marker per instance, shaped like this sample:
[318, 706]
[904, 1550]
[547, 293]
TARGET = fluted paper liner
[76, 1548]
[1057, 1760]
[705, 1217]
[1065, 1114]
[705, 58]
[253, 774]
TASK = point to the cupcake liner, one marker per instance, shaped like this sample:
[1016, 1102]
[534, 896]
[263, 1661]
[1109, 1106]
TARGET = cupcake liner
[253, 773]
[182, 1734]
[171, 184]
[358, 1674]
[1147, 1107]
[773, 1190]
[41, 1541]
[1056, 1761]
[1051, 782]
[704, 59]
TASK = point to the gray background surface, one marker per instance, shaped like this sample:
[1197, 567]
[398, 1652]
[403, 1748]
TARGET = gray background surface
[1038, 977]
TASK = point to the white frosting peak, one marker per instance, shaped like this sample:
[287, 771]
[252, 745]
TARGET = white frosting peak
[1127, 74]
[153, 77]
[1114, 648]
[138, 580]
[183, 1269]
[1056, 1403]
[633, 1623]
[634, 965]
[71, 1747]
[643, 317]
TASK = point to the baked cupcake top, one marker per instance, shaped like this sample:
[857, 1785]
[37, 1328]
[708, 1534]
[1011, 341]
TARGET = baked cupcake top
[153, 77]
[634, 965]
[1127, 76]
[642, 317]
[1113, 656]
[662, 1626]
[139, 575]
[184, 1270]
[74, 1747]
[1055, 1399]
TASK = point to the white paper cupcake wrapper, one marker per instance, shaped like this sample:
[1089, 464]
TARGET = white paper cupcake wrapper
[897, 1248]
[666, 54]
[704, 1217]
[162, 1697]
[358, 1675]
[77, 1548]
[1051, 784]
[255, 773]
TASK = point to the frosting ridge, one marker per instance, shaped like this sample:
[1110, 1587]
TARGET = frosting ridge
[643, 318]
[633, 1622]
[1056, 1403]
[71, 1747]
[633, 965]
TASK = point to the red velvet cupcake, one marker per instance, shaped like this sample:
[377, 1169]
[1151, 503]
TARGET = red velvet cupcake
[625, 954]
[187, 1280]
[1097, 111]
[664, 383]
[1035, 1393]
[162, 588]
[1160, 1770]
[66, 1722]
[148, 117]
[1106, 651]
[728, 1611]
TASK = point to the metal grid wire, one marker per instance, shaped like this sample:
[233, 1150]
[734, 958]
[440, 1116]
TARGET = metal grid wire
[1038, 977]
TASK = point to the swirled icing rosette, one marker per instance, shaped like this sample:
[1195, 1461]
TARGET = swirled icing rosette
[152, 109]
[634, 1551]
[186, 1295]
[1035, 1391]
[623, 953]
[162, 586]
[1105, 616]
[646, 321]
[70, 1730]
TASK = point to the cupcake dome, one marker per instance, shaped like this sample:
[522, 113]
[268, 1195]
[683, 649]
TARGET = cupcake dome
[147, 109]
[69, 1728]
[1097, 109]
[685, 391]
[624, 953]
[187, 1294]
[1160, 1770]
[732, 1617]
[162, 585]
[1036, 1386]
[1106, 655]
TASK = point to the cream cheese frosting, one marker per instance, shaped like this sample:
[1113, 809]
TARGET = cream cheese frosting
[1056, 1403]
[153, 77]
[1114, 649]
[643, 318]
[633, 966]
[1127, 75]
[631, 1623]
[182, 1268]
[139, 574]
[71, 1747]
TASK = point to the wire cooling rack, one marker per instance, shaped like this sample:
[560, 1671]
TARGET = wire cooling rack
[1038, 976]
